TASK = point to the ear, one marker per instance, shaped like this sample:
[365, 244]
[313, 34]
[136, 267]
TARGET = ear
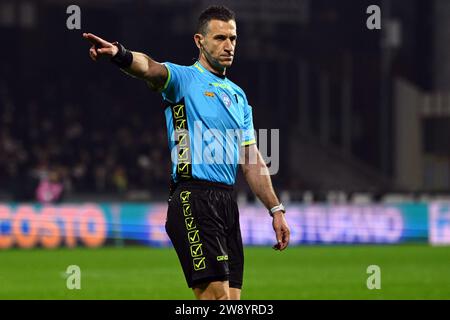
[198, 38]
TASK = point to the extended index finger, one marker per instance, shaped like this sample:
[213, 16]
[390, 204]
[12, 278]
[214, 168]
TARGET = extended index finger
[92, 38]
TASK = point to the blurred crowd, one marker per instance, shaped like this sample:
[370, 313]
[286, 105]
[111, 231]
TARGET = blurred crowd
[52, 144]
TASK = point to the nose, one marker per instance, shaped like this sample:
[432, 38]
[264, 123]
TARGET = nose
[228, 46]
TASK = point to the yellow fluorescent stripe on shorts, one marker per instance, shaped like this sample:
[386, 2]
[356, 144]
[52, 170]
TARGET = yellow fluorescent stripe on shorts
[168, 78]
[247, 143]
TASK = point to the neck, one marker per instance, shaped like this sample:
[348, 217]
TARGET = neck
[210, 67]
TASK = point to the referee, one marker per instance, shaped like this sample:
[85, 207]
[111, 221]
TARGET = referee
[203, 217]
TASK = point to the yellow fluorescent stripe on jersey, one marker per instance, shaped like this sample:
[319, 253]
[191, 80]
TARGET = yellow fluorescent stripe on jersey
[221, 85]
[247, 143]
[198, 67]
[168, 79]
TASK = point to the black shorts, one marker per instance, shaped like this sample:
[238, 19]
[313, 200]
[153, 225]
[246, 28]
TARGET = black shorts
[203, 225]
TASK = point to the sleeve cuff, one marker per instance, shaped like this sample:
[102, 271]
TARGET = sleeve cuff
[247, 143]
[168, 77]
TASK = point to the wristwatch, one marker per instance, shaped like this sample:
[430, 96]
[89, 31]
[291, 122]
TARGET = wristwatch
[279, 207]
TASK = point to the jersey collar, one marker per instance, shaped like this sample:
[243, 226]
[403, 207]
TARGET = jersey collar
[202, 69]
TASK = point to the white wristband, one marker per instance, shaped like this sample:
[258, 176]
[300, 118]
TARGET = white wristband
[279, 207]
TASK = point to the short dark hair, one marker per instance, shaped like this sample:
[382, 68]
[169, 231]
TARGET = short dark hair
[221, 13]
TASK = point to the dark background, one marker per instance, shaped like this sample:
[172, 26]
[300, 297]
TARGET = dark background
[309, 68]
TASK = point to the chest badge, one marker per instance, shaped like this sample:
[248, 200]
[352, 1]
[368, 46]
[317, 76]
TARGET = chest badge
[226, 99]
[209, 94]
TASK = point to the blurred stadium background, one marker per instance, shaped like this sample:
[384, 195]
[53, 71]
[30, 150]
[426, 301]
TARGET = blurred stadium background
[364, 119]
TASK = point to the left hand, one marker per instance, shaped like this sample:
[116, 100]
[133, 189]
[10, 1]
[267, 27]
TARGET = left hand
[282, 231]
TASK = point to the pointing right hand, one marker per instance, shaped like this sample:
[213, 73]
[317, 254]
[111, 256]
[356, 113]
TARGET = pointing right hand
[100, 48]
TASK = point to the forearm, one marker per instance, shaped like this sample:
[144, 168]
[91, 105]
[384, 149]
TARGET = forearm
[258, 178]
[145, 68]
[257, 175]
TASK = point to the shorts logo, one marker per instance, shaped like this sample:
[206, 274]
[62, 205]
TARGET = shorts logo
[199, 263]
[222, 258]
